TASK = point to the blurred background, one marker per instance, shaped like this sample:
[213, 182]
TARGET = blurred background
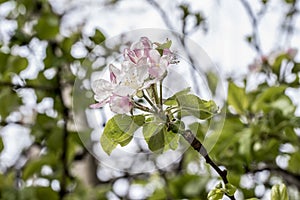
[45, 46]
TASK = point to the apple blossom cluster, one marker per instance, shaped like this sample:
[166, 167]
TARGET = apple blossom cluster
[270, 59]
[145, 63]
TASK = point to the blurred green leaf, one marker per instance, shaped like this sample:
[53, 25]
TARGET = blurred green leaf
[98, 37]
[294, 163]
[279, 192]
[8, 106]
[46, 193]
[237, 98]
[215, 194]
[230, 189]
[212, 80]
[47, 27]
[34, 166]
[1, 144]
[266, 97]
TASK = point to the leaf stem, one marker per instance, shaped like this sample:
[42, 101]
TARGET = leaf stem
[154, 90]
[142, 107]
[160, 93]
[149, 101]
[197, 145]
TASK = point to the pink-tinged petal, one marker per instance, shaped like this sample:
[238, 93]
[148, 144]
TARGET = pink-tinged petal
[130, 55]
[120, 105]
[154, 57]
[100, 104]
[138, 53]
[157, 72]
[292, 52]
[167, 52]
[146, 42]
[115, 74]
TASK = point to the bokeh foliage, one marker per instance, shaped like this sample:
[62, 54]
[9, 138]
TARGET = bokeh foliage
[260, 121]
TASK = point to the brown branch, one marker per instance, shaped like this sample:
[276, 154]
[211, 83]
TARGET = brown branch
[254, 23]
[197, 145]
[182, 42]
[64, 158]
[28, 86]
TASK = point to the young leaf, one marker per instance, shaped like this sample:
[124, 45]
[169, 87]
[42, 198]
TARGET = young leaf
[154, 136]
[279, 192]
[192, 105]
[215, 194]
[120, 130]
[172, 100]
[230, 189]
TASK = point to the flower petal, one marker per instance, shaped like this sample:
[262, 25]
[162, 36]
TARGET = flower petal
[120, 104]
[115, 74]
[102, 89]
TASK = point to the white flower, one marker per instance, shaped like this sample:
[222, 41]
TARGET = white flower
[110, 92]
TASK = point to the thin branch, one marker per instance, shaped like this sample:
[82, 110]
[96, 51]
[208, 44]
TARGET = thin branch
[254, 23]
[162, 13]
[290, 177]
[197, 145]
[64, 158]
[29, 86]
[182, 42]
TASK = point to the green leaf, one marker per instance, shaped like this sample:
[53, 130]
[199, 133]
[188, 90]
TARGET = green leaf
[277, 64]
[237, 98]
[46, 193]
[262, 102]
[279, 192]
[4, 58]
[120, 130]
[215, 194]
[230, 189]
[245, 147]
[294, 163]
[47, 27]
[16, 64]
[10, 105]
[172, 100]
[160, 47]
[171, 140]
[192, 105]
[154, 136]
[98, 37]
[1, 144]
[34, 166]
[212, 80]
[296, 67]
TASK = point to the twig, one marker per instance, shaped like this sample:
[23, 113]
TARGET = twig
[64, 154]
[30, 86]
[254, 23]
[289, 177]
[197, 145]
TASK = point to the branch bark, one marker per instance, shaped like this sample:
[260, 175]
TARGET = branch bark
[197, 145]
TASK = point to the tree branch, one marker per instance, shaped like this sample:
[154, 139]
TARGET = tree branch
[64, 158]
[30, 86]
[254, 23]
[290, 177]
[197, 145]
